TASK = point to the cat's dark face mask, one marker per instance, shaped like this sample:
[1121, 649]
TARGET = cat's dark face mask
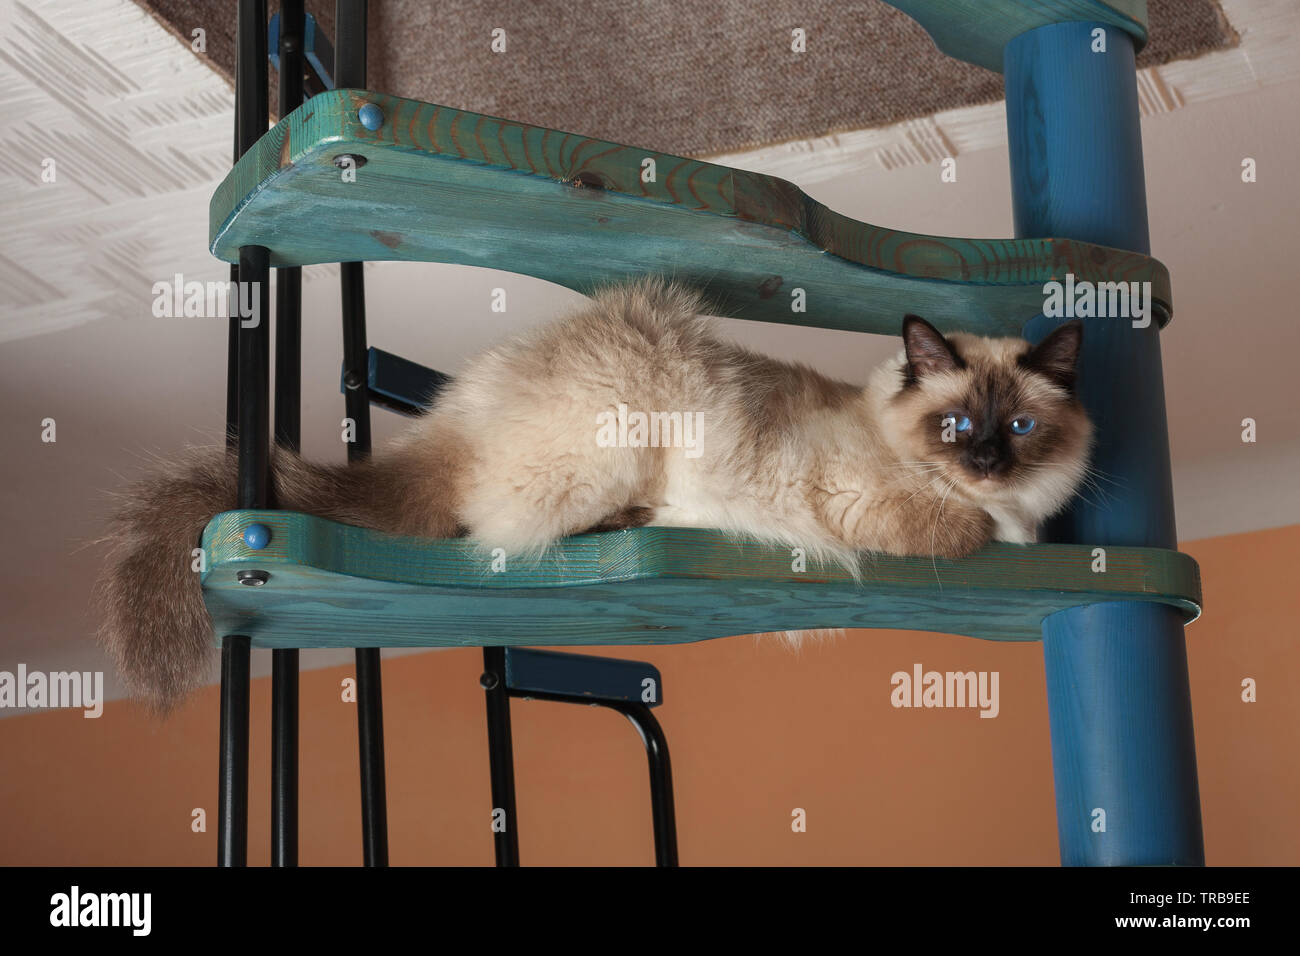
[989, 414]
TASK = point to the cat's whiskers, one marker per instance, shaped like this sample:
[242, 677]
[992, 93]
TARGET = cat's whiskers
[923, 465]
[1091, 482]
[1093, 471]
[926, 487]
[934, 560]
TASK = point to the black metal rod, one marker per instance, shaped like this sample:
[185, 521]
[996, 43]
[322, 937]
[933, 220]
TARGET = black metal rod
[661, 779]
[287, 430]
[288, 282]
[251, 112]
[254, 338]
[370, 721]
[288, 358]
[350, 71]
[350, 53]
[232, 341]
[370, 737]
[350, 44]
[284, 757]
[356, 396]
[232, 362]
[232, 795]
[254, 375]
[501, 758]
[249, 386]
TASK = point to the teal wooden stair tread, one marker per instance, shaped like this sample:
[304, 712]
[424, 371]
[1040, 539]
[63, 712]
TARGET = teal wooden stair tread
[334, 585]
[443, 185]
[977, 31]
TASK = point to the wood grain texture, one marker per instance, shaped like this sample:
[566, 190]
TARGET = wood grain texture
[334, 585]
[977, 31]
[443, 185]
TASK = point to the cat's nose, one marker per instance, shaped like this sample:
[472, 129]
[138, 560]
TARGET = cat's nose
[984, 460]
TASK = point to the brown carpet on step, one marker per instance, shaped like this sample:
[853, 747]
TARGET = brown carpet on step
[682, 76]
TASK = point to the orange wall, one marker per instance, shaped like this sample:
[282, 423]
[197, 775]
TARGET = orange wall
[755, 731]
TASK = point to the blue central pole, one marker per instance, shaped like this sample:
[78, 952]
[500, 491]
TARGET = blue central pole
[1123, 756]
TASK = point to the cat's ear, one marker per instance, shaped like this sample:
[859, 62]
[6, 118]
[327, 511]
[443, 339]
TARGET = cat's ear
[927, 350]
[1057, 356]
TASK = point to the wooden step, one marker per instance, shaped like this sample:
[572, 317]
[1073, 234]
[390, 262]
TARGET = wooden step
[333, 585]
[443, 185]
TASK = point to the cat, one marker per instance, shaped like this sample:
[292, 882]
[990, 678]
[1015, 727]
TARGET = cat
[956, 441]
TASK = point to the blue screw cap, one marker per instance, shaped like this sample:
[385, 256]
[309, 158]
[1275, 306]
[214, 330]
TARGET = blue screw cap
[371, 116]
[257, 536]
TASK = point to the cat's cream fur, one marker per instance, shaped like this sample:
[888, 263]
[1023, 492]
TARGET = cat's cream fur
[508, 454]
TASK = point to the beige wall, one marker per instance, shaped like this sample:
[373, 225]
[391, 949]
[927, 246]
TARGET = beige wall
[754, 730]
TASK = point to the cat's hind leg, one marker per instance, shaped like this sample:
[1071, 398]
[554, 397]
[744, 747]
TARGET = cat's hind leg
[526, 508]
[633, 516]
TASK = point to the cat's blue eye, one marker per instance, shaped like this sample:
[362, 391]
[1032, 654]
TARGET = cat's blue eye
[1023, 425]
[960, 422]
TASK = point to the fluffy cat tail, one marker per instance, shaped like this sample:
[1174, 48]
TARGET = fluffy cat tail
[153, 623]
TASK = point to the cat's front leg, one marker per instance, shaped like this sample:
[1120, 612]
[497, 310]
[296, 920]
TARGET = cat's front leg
[936, 527]
[959, 532]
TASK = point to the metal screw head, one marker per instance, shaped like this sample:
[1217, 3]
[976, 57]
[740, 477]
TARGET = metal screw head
[489, 681]
[349, 161]
[352, 379]
[371, 116]
[254, 579]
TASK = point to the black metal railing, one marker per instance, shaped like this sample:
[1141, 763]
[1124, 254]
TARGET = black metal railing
[406, 387]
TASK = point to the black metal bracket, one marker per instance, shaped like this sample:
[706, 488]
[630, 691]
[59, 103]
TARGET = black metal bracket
[582, 678]
[395, 383]
[629, 687]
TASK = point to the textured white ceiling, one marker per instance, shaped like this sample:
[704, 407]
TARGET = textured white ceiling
[140, 131]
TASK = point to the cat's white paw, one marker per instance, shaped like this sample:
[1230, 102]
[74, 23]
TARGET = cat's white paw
[1015, 532]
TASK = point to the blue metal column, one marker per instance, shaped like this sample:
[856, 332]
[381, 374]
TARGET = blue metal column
[1117, 686]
